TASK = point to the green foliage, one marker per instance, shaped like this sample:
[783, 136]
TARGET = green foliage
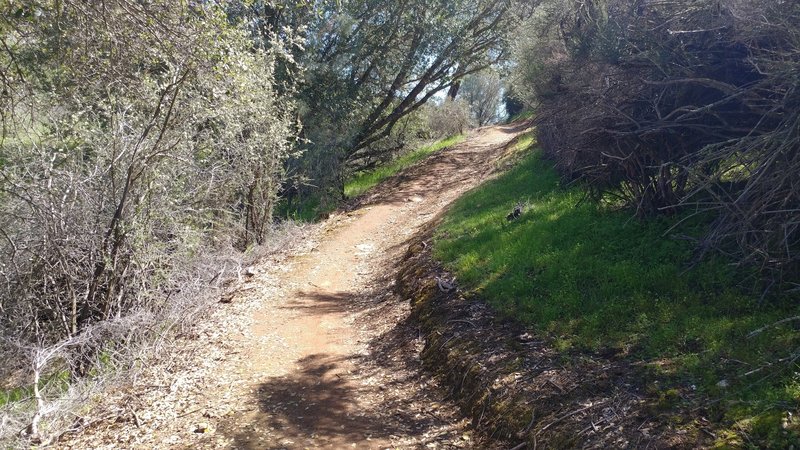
[514, 105]
[483, 91]
[449, 118]
[136, 143]
[594, 280]
[316, 205]
[363, 181]
[57, 382]
[309, 208]
[143, 147]
[371, 64]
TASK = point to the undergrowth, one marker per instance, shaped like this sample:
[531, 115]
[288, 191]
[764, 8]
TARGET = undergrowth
[593, 280]
[306, 210]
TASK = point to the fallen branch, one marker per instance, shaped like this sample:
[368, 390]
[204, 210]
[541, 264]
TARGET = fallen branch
[570, 414]
[766, 327]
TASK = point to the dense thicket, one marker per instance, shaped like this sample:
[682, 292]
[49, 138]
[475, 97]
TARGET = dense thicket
[669, 105]
[142, 142]
[145, 144]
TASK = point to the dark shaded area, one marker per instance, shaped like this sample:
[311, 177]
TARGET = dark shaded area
[316, 400]
[323, 302]
[320, 405]
[668, 108]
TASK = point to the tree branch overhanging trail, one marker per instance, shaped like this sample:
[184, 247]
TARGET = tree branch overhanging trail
[468, 51]
[393, 57]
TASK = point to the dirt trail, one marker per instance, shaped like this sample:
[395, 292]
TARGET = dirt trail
[319, 352]
[331, 374]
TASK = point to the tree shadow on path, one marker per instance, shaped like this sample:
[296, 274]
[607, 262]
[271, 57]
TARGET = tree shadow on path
[377, 399]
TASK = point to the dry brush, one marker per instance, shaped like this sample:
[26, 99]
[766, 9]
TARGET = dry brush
[669, 107]
[142, 151]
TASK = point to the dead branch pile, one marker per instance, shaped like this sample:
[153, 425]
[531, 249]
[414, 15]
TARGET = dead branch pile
[669, 106]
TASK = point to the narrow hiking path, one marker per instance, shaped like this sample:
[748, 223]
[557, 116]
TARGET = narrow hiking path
[341, 378]
[323, 354]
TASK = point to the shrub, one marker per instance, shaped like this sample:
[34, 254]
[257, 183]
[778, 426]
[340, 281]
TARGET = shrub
[449, 118]
[666, 106]
[142, 144]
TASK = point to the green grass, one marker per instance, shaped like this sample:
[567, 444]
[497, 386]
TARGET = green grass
[524, 115]
[519, 149]
[363, 181]
[592, 279]
[307, 210]
[58, 381]
[313, 207]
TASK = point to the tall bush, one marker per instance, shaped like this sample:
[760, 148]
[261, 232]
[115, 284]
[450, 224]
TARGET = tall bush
[140, 140]
[668, 105]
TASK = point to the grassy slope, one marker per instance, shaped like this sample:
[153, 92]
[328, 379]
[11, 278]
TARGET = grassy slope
[524, 115]
[312, 208]
[595, 280]
[363, 181]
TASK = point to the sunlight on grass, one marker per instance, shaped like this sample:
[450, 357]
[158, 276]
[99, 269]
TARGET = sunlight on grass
[518, 150]
[595, 280]
[524, 115]
[524, 142]
[312, 208]
[363, 181]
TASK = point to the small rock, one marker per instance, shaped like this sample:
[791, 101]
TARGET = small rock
[203, 428]
[365, 248]
[723, 384]
[444, 285]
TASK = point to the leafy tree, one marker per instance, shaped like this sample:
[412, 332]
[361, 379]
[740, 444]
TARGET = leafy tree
[370, 64]
[451, 117]
[483, 91]
[513, 104]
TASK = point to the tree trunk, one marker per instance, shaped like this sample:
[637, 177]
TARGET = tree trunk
[453, 91]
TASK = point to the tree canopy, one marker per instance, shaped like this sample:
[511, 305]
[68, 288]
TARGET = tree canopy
[370, 64]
